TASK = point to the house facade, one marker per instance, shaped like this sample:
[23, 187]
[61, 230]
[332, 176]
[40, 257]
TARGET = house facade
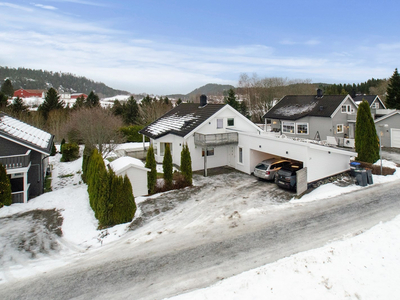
[218, 135]
[209, 130]
[388, 129]
[24, 151]
[22, 93]
[315, 117]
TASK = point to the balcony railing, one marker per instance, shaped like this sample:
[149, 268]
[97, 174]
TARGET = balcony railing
[16, 161]
[352, 117]
[213, 140]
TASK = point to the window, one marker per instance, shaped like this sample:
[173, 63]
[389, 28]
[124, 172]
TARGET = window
[210, 152]
[241, 155]
[339, 128]
[302, 128]
[231, 121]
[288, 127]
[375, 105]
[269, 121]
[346, 108]
[220, 123]
[162, 148]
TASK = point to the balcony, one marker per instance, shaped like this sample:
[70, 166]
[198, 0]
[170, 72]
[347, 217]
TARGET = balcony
[214, 140]
[16, 161]
[17, 197]
[352, 117]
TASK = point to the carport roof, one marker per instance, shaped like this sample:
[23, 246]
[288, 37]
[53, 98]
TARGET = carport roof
[293, 107]
[181, 120]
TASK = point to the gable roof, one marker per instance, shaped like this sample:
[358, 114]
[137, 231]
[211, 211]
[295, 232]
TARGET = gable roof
[387, 116]
[293, 107]
[181, 120]
[25, 134]
[369, 98]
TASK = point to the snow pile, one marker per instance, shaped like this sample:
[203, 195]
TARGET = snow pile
[296, 109]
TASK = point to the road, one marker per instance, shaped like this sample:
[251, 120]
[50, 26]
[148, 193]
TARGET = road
[179, 263]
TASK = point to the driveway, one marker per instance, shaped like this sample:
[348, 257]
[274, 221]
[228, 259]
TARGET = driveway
[225, 225]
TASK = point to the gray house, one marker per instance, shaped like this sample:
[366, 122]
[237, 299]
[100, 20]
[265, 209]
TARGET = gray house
[316, 117]
[24, 151]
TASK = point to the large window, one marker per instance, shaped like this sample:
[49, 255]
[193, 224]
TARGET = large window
[302, 128]
[162, 148]
[288, 127]
[210, 152]
[339, 128]
[240, 155]
[231, 122]
[220, 123]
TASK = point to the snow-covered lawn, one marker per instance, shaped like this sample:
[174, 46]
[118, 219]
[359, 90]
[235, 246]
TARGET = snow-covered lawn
[360, 267]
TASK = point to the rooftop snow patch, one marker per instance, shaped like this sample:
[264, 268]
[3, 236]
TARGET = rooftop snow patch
[24, 131]
[122, 162]
[174, 122]
[295, 109]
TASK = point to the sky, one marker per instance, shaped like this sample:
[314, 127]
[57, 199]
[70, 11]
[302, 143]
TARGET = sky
[165, 47]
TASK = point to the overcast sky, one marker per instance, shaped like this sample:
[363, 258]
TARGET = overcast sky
[174, 46]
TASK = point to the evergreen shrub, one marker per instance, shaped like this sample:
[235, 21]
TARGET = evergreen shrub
[152, 165]
[70, 152]
[5, 187]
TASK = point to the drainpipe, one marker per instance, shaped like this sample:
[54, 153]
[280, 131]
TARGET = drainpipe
[205, 162]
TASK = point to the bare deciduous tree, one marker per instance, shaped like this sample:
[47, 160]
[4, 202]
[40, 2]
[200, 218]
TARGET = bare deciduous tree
[97, 127]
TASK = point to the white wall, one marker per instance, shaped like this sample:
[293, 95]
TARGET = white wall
[138, 180]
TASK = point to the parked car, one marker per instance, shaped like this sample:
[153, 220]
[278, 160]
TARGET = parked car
[269, 167]
[286, 176]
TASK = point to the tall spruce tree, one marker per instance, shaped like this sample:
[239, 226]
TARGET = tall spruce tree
[167, 167]
[152, 175]
[3, 100]
[5, 187]
[231, 99]
[7, 88]
[51, 102]
[393, 91]
[18, 107]
[186, 165]
[130, 111]
[92, 100]
[366, 140]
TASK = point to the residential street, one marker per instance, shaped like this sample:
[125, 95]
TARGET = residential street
[176, 262]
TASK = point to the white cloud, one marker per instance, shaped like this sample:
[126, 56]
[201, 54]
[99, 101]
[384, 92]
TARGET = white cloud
[14, 6]
[45, 6]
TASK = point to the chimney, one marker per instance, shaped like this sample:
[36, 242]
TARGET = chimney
[203, 100]
[319, 93]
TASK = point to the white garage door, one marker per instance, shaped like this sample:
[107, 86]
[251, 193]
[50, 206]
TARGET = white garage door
[395, 138]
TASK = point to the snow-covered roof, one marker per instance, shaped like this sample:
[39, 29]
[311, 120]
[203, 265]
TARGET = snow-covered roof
[25, 134]
[125, 162]
[181, 120]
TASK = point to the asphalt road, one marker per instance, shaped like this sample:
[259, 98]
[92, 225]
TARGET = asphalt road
[185, 264]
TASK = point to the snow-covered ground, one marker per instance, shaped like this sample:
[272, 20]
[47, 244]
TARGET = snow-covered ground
[361, 267]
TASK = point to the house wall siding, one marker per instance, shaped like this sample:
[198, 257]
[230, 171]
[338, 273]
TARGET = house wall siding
[8, 147]
[392, 122]
[36, 175]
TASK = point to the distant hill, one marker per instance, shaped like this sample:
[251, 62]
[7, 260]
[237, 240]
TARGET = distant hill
[210, 89]
[63, 82]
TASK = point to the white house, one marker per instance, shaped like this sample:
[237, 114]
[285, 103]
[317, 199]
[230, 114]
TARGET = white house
[136, 172]
[230, 139]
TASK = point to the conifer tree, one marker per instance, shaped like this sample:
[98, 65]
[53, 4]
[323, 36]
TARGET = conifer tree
[18, 106]
[167, 167]
[7, 88]
[129, 205]
[61, 145]
[186, 164]
[92, 100]
[51, 101]
[152, 175]
[87, 152]
[393, 91]
[231, 99]
[5, 187]
[366, 139]
[96, 172]
[3, 100]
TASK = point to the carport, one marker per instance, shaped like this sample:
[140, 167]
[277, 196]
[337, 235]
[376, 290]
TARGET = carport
[319, 161]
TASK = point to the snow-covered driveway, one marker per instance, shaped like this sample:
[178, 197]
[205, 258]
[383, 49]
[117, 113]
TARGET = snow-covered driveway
[219, 231]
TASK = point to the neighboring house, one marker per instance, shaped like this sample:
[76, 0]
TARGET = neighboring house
[316, 117]
[374, 101]
[388, 129]
[210, 130]
[136, 172]
[22, 93]
[230, 139]
[24, 152]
